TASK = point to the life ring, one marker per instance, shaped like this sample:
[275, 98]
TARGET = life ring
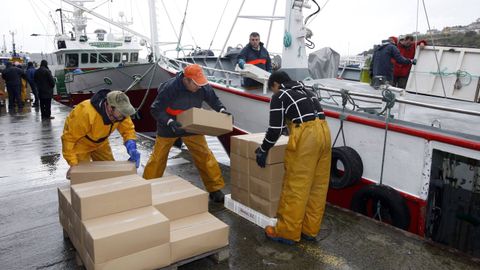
[382, 203]
[352, 167]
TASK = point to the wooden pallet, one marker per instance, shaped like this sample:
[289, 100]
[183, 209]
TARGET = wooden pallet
[217, 255]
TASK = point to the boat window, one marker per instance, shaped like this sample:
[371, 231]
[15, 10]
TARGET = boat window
[134, 57]
[124, 57]
[84, 58]
[71, 60]
[116, 57]
[93, 58]
[60, 59]
[105, 58]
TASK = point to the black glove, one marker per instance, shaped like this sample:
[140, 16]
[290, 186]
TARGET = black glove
[176, 127]
[414, 61]
[261, 157]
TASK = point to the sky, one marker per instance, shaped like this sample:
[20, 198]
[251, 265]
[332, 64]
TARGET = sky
[348, 26]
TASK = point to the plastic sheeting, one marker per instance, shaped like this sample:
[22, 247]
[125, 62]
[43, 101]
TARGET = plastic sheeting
[323, 63]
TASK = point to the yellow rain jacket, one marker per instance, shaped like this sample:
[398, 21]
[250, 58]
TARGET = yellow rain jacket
[87, 129]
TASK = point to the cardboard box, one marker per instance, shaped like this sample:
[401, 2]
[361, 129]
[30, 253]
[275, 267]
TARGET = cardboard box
[239, 144]
[152, 258]
[239, 179]
[269, 191]
[263, 206]
[64, 221]
[65, 202]
[206, 122]
[271, 173]
[239, 163]
[96, 170]
[114, 236]
[177, 198]
[240, 195]
[276, 154]
[195, 235]
[109, 196]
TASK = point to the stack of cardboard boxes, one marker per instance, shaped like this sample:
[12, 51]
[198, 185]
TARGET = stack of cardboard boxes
[126, 222]
[253, 186]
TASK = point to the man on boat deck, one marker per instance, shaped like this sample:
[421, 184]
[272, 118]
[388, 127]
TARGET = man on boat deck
[254, 53]
[407, 48]
[307, 159]
[90, 123]
[382, 59]
[187, 90]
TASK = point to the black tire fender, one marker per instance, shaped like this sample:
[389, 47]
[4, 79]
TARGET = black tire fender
[390, 200]
[353, 167]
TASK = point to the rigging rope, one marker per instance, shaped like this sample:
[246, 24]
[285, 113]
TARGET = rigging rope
[389, 98]
[435, 52]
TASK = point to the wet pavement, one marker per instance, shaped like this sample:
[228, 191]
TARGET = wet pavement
[32, 168]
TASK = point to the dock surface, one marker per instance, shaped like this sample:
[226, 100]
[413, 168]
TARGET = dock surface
[32, 167]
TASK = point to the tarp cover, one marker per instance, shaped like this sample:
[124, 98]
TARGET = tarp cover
[323, 63]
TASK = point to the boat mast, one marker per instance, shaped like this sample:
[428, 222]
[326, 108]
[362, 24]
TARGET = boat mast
[14, 52]
[153, 29]
[294, 55]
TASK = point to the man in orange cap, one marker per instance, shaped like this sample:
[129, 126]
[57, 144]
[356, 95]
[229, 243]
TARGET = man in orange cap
[187, 90]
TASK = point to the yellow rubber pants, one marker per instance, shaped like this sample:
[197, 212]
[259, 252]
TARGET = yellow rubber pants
[102, 153]
[305, 183]
[203, 158]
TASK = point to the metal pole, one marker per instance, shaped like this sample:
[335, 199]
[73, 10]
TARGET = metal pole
[271, 23]
[119, 25]
[61, 19]
[229, 34]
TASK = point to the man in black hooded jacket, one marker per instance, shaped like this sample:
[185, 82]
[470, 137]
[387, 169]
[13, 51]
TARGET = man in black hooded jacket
[44, 80]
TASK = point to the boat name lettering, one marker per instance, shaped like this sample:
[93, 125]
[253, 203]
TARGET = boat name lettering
[106, 44]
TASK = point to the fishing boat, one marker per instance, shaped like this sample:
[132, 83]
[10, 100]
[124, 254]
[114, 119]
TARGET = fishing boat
[409, 157]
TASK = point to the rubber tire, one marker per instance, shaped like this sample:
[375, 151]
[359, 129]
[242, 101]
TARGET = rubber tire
[352, 163]
[388, 197]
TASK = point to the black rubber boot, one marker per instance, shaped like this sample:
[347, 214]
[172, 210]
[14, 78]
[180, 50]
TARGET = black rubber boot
[217, 196]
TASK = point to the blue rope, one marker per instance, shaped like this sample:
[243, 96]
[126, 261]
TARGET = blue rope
[287, 39]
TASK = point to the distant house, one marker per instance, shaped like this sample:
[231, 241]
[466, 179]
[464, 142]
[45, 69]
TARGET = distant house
[433, 32]
[475, 26]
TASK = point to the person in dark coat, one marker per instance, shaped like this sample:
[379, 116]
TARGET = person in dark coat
[382, 59]
[255, 54]
[13, 80]
[31, 80]
[44, 80]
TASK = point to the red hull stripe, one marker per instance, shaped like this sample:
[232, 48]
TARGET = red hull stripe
[475, 145]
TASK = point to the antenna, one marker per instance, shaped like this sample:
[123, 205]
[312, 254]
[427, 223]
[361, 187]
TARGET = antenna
[4, 47]
[14, 53]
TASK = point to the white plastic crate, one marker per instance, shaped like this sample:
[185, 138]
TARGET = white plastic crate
[248, 213]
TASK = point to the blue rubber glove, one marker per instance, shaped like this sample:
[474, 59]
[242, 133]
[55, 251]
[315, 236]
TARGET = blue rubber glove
[131, 146]
[414, 61]
[241, 63]
[261, 157]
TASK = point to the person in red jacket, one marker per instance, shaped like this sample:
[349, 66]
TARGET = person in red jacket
[407, 47]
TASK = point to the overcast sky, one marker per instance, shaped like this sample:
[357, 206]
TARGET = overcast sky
[348, 26]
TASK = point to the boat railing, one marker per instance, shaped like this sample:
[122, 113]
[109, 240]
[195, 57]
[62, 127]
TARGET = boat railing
[178, 65]
[401, 100]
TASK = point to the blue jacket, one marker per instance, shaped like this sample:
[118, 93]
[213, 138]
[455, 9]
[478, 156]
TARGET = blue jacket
[259, 58]
[173, 98]
[31, 76]
[381, 62]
